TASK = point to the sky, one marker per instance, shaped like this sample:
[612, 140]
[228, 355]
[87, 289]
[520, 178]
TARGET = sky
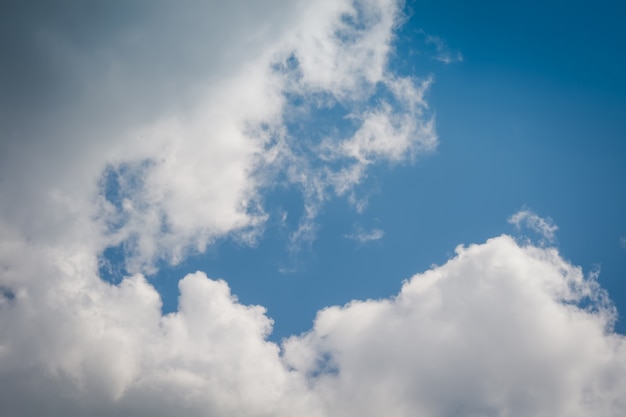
[330, 208]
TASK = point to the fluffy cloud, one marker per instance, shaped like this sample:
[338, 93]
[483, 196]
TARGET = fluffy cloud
[495, 331]
[163, 123]
[142, 91]
[498, 330]
[106, 350]
[158, 128]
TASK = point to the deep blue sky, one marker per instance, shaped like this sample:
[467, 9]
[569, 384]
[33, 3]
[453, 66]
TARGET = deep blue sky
[533, 116]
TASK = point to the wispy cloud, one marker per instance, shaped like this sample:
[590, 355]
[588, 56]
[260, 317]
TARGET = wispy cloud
[543, 226]
[364, 236]
[443, 53]
[394, 129]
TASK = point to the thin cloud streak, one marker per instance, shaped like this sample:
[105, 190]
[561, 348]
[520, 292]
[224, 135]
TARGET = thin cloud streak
[543, 226]
[364, 236]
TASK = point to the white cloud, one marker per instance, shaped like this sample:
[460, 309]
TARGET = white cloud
[102, 350]
[388, 132]
[188, 106]
[495, 331]
[156, 127]
[180, 113]
[164, 90]
[364, 236]
[543, 226]
[387, 135]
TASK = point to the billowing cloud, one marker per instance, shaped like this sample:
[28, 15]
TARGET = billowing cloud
[161, 126]
[498, 330]
[106, 350]
[158, 128]
[495, 331]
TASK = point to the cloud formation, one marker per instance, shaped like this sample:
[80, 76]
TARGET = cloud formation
[495, 331]
[166, 123]
[157, 129]
[364, 236]
[545, 227]
[499, 329]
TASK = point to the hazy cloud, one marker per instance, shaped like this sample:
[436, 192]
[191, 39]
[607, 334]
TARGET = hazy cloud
[443, 53]
[363, 236]
[543, 226]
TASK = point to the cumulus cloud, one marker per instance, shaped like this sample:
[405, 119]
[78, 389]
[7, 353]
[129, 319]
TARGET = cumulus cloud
[543, 226]
[499, 329]
[182, 115]
[106, 350]
[147, 91]
[495, 331]
[156, 128]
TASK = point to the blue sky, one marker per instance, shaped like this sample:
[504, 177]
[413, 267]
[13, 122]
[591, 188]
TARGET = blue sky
[532, 116]
[313, 208]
